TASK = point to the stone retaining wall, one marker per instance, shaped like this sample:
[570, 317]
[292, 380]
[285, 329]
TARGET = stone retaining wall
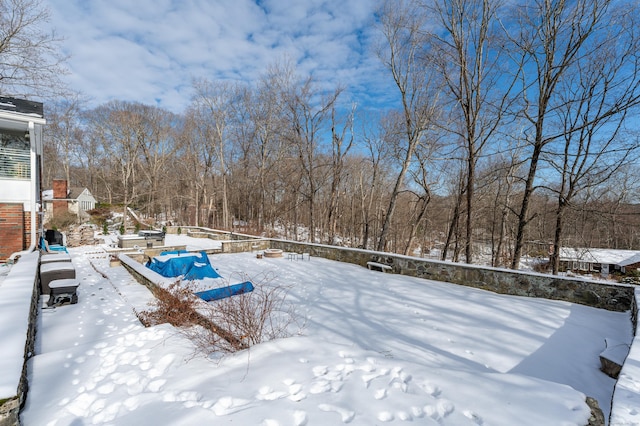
[240, 246]
[214, 234]
[614, 297]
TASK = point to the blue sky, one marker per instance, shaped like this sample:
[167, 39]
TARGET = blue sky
[150, 50]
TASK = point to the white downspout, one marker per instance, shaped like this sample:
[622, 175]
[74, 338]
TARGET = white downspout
[35, 141]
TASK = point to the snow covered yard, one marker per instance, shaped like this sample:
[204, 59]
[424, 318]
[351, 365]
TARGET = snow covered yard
[375, 349]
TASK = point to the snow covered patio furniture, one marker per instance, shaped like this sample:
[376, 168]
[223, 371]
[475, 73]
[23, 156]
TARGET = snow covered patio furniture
[298, 256]
[63, 291]
[55, 271]
[375, 266]
[51, 248]
[59, 257]
[144, 239]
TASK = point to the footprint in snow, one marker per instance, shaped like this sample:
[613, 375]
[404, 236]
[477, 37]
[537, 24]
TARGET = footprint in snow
[431, 411]
[431, 389]
[380, 394]
[404, 416]
[473, 416]
[106, 389]
[336, 386]
[367, 378]
[265, 393]
[300, 418]
[368, 368]
[320, 370]
[417, 411]
[385, 416]
[297, 397]
[228, 405]
[345, 415]
[320, 386]
[445, 407]
[156, 385]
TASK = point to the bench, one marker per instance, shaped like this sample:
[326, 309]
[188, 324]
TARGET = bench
[375, 266]
[296, 256]
[63, 291]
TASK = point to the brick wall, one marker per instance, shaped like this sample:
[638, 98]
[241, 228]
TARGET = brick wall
[27, 229]
[12, 229]
[59, 192]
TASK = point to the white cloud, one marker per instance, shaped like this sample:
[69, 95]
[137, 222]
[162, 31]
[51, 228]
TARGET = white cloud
[149, 50]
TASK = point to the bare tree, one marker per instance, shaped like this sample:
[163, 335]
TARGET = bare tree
[404, 55]
[117, 125]
[341, 143]
[555, 40]
[422, 177]
[266, 111]
[453, 230]
[64, 131]
[307, 113]
[594, 146]
[157, 146]
[469, 56]
[214, 101]
[30, 60]
[199, 159]
[370, 182]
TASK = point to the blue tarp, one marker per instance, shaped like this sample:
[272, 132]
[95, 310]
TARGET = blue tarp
[222, 292]
[192, 266]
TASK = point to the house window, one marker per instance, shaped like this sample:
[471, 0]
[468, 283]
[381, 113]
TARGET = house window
[15, 156]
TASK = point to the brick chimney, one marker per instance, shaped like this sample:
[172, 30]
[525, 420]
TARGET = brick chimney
[59, 193]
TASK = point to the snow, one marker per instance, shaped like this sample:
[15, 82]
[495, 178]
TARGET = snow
[626, 398]
[15, 303]
[374, 348]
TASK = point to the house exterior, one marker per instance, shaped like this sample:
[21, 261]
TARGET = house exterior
[21, 125]
[601, 261]
[632, 263]
[63, 199]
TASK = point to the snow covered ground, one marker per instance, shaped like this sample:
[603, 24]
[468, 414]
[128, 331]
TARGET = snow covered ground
[375, 349]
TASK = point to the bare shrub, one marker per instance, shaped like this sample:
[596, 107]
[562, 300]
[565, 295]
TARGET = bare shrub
[173, 305]
[62, 220]
[230, 324]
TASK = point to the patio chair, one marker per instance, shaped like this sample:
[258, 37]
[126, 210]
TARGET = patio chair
[54, 248]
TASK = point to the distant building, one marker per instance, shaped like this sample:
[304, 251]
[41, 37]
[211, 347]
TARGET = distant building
[602, 261]
[63, 199]
[21, 124]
